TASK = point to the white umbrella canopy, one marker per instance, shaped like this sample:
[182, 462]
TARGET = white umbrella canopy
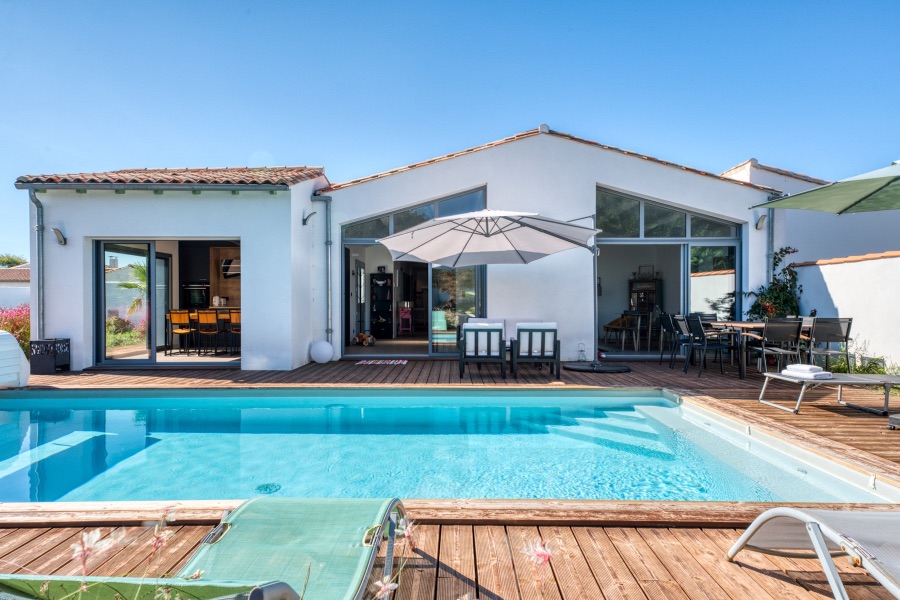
[487, 237]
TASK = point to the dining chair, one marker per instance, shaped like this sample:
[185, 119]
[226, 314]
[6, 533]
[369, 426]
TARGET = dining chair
[208, 330]
[780, 339]
[180, 325]
[672, 337]
[703, 341]
[826, 331]
[234, 331]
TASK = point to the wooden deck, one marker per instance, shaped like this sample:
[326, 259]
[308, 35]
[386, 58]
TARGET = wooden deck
[600, 550]
[487, 562]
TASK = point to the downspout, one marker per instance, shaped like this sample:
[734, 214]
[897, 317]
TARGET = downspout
[39, 262]
[327, 200]
[770, 244]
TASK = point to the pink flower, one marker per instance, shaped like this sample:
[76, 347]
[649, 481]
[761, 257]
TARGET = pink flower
[539, 554]
[90, 545]
[409, 532]
[384, 588]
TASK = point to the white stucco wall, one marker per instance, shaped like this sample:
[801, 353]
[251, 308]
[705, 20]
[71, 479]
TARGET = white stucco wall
[14, 293]
[275, 278]
[557, 178]
[867, 292]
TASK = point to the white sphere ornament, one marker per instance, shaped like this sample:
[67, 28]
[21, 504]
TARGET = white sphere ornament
[321, 352]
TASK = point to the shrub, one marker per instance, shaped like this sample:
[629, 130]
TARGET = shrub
[115, 325]
[17, 321]
[782, 296]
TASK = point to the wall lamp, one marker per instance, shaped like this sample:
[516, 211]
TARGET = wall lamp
[60, 238]
[308, 217]
[761, 222]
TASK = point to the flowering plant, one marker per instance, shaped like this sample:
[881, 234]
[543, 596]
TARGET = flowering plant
[782, 296]
[17, 321]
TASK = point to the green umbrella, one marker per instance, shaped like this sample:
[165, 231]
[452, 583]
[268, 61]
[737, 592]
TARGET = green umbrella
[877, 190]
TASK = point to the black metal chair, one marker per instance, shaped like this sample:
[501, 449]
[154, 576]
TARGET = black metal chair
[536, 343]
[700, 339]
[672, 336]
[781, 339]
[826, 331]
[482, 343]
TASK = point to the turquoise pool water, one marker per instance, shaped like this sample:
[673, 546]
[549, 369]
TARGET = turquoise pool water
[89, 446]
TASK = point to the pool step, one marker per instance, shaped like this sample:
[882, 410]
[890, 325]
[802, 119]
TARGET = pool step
[626, 427]
[612, 439]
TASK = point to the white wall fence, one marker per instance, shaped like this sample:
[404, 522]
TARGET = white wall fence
[14, 295]
[865, 288]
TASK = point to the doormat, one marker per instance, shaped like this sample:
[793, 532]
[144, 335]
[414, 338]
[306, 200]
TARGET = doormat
[382, 362]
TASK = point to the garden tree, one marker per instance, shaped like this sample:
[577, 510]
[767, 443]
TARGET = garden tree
[139, 272]
[11, 260]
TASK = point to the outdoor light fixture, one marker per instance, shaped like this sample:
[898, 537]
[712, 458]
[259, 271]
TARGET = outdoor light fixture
[60, 238]
[306, 218]
[761, 222]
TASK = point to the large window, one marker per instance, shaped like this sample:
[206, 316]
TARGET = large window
[620, 216]
[385, 225]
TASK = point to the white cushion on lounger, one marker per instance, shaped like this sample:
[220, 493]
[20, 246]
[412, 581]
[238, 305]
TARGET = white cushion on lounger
[549, 339]
[479, 332]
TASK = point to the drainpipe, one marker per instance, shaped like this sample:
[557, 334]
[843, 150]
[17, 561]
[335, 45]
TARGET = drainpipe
[770, 243]
[327, 201]
[39, 262]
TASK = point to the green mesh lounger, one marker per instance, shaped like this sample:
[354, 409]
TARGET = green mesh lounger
[263, 550]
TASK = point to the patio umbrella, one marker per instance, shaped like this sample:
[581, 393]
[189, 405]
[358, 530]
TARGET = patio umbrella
[487, 237]
[877, 190]
[496, 237]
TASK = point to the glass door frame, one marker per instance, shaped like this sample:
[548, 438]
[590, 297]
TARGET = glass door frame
[480, 305]
[738, 275]
[100, 358]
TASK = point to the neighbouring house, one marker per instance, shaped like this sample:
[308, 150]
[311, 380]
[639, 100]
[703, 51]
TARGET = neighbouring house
[299, 254]
[15, 285]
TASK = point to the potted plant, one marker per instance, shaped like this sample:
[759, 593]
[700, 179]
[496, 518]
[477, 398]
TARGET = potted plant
[781, 296]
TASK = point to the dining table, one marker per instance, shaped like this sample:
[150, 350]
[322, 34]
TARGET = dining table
[743, 328]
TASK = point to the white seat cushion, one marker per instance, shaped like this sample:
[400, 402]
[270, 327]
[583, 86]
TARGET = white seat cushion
[478, 338]
[547, 335]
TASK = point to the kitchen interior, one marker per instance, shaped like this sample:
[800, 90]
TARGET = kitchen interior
[205, 274]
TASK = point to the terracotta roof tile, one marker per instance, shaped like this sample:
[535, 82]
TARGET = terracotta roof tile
[204, 176]
[712, 273]
[849, 259]
[784, 172]
[531, 133]
[15, 274]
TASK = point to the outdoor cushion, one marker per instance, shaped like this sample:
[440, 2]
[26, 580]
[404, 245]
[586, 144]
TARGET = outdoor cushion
[524, 339]
[479, 340]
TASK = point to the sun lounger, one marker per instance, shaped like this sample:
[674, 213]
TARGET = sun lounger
[840, 380]
[261, 551]
[871, 539]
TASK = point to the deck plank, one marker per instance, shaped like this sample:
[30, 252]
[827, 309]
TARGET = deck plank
[456, 563]
[418, 578]
[610, 571]
[533, 584]
[494, 564]
[572, 572]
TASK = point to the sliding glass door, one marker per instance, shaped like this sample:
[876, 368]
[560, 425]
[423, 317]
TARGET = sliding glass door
[125, 323]
[713, 281]
[456, 294]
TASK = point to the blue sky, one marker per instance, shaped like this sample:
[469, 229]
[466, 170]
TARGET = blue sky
[361, 87]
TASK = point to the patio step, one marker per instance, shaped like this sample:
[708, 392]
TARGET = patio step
[615, 440]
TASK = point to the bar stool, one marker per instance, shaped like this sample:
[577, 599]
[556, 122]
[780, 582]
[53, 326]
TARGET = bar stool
[405, 317]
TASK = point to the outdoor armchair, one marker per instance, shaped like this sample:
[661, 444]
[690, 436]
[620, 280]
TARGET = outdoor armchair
[536, 343]
[481, 343]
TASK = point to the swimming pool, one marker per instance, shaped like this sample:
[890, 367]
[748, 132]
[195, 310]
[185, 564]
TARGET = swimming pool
[577, 444]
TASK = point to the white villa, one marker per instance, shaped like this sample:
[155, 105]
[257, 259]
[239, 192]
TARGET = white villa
[298, 254]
